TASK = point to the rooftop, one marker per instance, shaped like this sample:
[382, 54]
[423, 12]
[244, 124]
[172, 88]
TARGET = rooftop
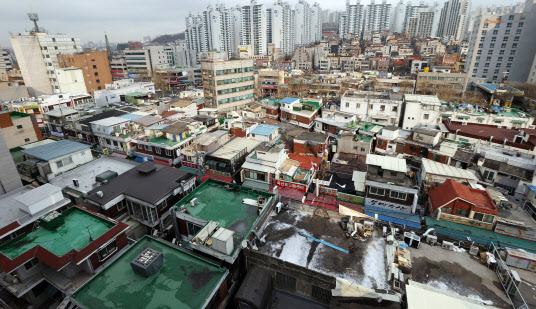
[264, 129]
[451, 190]
[73, 234]
[290, 100]
[234, 147]
[183, 281]
[54, 150]
[225, 207]
[312, 137]
[433, 167]
[110, 121]
[14, 204]
[62, 112]
[86, 173]
[423, 99]
[387, 163]
[147, 120]
[131, 116]
[149, 182]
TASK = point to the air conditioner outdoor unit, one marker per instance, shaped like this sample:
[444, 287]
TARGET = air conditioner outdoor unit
[473, 250]
[431, 239]
[447, 245]
[194, 202]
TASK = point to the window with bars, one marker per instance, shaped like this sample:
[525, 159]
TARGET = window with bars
[285, 282]
[320, 294]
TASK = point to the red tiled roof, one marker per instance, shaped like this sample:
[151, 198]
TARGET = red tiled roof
[451, 190]
[306, 161]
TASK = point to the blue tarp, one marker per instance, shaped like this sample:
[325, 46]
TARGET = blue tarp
[413, 221]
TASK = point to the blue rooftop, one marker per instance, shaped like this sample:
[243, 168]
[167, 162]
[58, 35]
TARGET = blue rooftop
[491, 88]
[289, 100]
[54, 150]
[130, 116]
[264, 129]
[157, 127]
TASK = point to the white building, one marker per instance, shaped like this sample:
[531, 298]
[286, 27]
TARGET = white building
[398, 16]
[374, 107]
[420, 110]
[5, 60]
[37, 56]
[282, 27]
[351, 22]
[454, 19]
[316, 23]
[113, 91]
[184, 56]
[71, 80]
[503, 45]
[377, 16]
[254, 27]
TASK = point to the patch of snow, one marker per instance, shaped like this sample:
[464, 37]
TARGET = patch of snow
[456, 289]
[296, 249]
[374, 265]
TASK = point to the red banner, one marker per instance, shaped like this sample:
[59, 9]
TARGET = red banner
[287, 184]
[189, 164]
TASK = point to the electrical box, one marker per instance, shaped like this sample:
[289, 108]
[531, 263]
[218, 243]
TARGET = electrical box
[148, 262]
[222, 241]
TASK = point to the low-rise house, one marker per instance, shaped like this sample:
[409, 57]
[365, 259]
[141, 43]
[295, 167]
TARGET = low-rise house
[421, 141]
[420, 110]
[353, 143]
[433, 172]
[375, 107]
[217, 219]
[505, 117]
[311, 143]
[455, 202]
[205, 143]
[60, 120]
[145, 192]
[185, 107]
[226, 161]
[50, 159]
[254, 111]
[210, 122]
[127, 276]
[271, 107]
[392, 191]
[264, 133]
[388, 138]
[261, 166]
[300, 112]
[19, 128]
[333, 122]
[59, 254]
[114, 134]
[77, 182]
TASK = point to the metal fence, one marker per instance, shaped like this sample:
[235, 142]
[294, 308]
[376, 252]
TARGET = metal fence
[509, 281]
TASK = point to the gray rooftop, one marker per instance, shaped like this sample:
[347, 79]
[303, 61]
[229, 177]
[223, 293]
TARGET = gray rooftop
[147, 120]
[312, 136]
[86, 173]
[148, 182]
[14, 203]
[54, 150]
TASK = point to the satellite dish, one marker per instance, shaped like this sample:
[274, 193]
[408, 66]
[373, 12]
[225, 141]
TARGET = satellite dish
[396, 89]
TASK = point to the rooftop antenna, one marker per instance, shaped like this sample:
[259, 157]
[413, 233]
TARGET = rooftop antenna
[34, 17]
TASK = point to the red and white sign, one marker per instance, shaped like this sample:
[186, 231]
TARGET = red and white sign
[189, 164]
[287, 184]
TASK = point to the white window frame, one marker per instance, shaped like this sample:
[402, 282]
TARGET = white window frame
[158, 150]
[398, 195]
[108, 251]
[169, 152]
[377, 191]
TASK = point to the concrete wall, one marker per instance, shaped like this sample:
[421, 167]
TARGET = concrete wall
[9, 177]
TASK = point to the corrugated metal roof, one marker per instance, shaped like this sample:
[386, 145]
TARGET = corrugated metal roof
[387, 163]
[229, 150]
[289, 100]
[423, 99]
[258, 167]
[131, 116]
[58, 149]
[436, 168]
[264, 129]
[110, 121]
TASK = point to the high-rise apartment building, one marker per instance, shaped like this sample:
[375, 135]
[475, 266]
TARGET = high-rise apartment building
[5, 60]
[377, 16]
[282, 27]
[351, 22]
[316, 23]
[254, 22]
[422, 20]
[95, 68]
[503, 46]
[302, 23]
[398, 17]
[228, 85]
[37, 56]
[454, 19]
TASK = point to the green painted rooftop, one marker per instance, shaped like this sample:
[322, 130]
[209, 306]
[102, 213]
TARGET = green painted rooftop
[17, 115]
[183, 281]
[162, 140]
[225, 207]
[73, 234]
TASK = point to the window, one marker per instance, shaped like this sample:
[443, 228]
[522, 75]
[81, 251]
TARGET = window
[157, 150]
[514, 45]
[193, 229]
[107, 251]
[489, 218]
[95, 66]
[493, 38]
[31, 263]
[512, 52]
[520, 25]
[495, 32]
[64, 162]
[149, 148]
[398, 195]
[488, 175]
[478, 216]
[488, 58]
[321, 294]
[19, 126]
[285, 282]
[501, 52]
[481, 45]
[168, 152]
[503, 45]
[461, 212]
[509, 25]
[377, 191]
[426, 116]
[96, 73]
[26, 140]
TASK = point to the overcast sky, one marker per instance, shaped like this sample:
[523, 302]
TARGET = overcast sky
[125, 20]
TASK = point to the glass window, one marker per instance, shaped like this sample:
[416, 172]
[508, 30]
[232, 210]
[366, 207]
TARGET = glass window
[377, 191]
[107, 251]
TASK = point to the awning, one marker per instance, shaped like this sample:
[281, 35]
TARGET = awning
[462, 117]
[518, 121]
[499, 120]
[446, 115]
[350, 212]
[480, 118]
[258, 167]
